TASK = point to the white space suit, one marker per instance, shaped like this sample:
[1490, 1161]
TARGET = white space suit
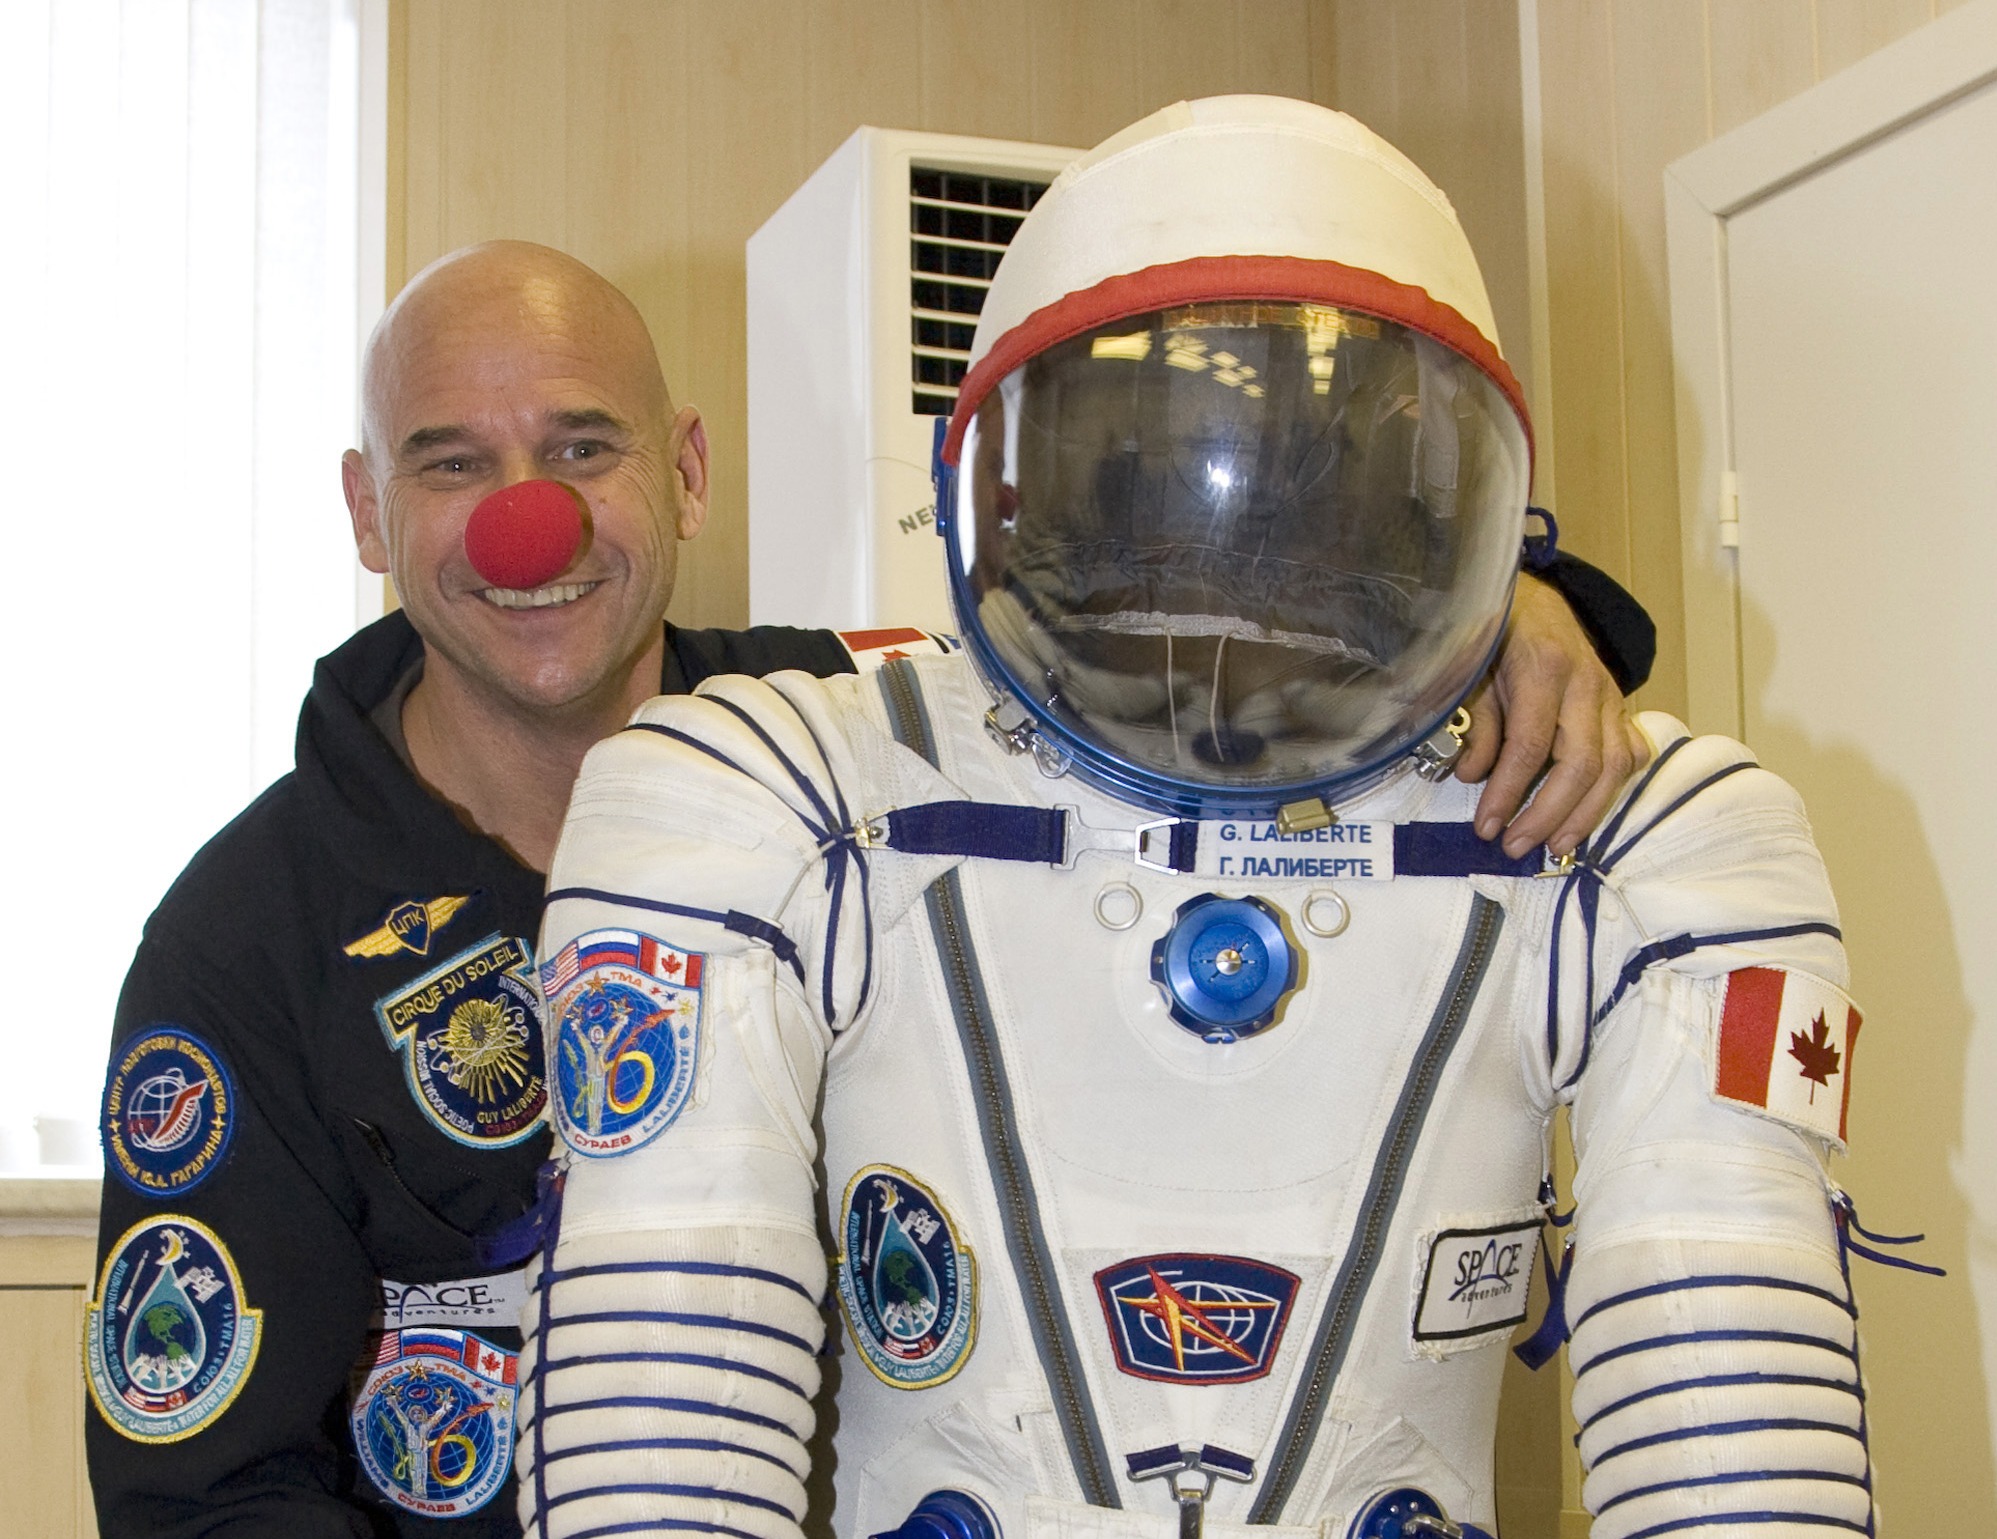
[1087, 1228]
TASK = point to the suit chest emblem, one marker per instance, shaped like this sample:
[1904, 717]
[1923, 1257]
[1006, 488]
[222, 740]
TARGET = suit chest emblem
[1194, 1319]
[907, 1284]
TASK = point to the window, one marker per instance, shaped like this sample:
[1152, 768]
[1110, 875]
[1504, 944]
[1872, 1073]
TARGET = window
[186, 188]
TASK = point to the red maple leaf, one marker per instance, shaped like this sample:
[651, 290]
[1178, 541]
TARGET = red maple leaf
[893, 655]
[670, 966]
[1815, 1053]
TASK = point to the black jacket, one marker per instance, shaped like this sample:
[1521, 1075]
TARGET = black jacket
[308, 1118]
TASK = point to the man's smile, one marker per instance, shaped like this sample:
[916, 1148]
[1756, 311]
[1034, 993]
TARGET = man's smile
[537, 598]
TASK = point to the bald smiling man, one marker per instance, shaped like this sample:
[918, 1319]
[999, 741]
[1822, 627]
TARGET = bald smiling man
[323, 1115]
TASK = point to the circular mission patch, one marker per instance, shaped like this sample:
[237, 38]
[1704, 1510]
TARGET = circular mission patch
[907, 1284]
[169, 1339]
[169, 1111]
[626, 1013]
[433, 1420]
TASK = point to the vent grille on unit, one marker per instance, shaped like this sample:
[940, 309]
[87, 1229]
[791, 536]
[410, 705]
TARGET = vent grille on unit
[959, 226]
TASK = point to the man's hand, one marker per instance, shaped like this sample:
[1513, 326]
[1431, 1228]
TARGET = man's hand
[1548, 701]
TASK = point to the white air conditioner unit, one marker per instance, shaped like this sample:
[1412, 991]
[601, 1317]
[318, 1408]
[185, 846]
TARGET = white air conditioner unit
[863, 291]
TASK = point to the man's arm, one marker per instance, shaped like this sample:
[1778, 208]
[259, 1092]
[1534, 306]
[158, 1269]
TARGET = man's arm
[232, 1300]
[1553, 706]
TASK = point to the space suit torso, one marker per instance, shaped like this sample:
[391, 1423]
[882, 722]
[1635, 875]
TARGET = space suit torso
[1075, 1244]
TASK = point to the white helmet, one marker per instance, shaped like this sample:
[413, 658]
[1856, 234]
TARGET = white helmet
[1236, 482]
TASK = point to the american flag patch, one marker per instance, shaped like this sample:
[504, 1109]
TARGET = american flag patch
[1785, 1044]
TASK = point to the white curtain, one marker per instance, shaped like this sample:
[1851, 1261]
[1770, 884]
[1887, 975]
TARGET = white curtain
[181, 274]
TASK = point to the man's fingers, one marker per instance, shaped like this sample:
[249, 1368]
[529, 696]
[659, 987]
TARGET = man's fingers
[1487, 732]
[1623, 753]
[1577, 751]
[1532, 709]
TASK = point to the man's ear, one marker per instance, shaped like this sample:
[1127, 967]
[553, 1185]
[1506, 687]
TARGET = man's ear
[691, 466]
[364, 508]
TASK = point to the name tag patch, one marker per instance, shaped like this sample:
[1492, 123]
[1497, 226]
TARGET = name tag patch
[1344, 852]
[492, 1302]
[1476, 1281]
[625, 1009]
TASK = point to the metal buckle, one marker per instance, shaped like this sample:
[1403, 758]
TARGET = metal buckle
[871, 833]
[1557, 865]
[1141, 834]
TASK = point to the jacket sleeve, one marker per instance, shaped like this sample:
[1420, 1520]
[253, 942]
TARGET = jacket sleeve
[1714, 1339]
[674, 1329]
[1624, 635]
[232, 1299]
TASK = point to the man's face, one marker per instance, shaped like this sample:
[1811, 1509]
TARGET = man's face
[492, 388]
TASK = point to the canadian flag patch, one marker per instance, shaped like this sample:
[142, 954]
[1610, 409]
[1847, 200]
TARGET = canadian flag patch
[870, 649]
[1785, 1048]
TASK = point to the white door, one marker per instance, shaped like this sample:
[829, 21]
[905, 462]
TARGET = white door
[1834, 300]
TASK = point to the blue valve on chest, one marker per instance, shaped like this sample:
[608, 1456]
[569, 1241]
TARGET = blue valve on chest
[1225, 966]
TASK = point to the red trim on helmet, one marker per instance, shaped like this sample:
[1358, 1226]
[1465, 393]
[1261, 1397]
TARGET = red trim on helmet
[1297, 279]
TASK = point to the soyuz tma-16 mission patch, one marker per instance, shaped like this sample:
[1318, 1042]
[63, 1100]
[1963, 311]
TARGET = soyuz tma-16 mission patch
[1190, 1319]
[433, 1420]
[907, 1284]
[169, 1340]
[169, 1111]
[625, 1018]
[470, 1034]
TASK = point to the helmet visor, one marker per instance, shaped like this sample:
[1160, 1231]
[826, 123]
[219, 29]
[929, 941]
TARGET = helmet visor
[1240, 546]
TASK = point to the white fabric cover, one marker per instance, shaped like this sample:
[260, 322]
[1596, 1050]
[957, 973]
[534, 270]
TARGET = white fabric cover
[1236, 176]
[1142, 1140]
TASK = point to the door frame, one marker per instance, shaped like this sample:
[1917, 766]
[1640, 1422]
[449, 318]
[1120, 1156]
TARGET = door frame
[1899, 84]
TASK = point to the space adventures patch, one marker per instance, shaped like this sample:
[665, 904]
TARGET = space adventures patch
[907, 1283]
[169, 1339]
[469, 1031]
[169, 1111]
[432, 1420]
[624, 1011]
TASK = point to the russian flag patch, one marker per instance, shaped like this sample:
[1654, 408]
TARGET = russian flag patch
[1785, 1045]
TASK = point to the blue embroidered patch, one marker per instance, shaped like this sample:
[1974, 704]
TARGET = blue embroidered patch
[169, 1111]
[626, 1012]
[433, 1420]
[907, 1284]
[169, 1339]
[1188, 1319]
[470, 1035]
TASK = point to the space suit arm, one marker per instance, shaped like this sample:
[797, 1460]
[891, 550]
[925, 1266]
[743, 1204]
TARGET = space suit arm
[1714, 1338]
[673, 1330]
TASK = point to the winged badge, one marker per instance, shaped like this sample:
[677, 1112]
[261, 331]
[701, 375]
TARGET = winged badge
[409, 926]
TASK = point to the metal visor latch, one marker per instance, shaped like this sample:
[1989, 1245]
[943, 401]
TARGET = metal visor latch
[1192, 1474]
[1437, 756]
[1225, 967]
[1012, 728]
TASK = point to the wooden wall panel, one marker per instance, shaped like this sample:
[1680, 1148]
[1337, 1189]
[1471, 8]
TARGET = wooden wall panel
[651, 137]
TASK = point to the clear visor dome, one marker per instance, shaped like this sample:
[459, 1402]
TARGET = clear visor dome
[1231, 553]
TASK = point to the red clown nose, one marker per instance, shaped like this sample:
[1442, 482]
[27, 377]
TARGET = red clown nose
[527, 534]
